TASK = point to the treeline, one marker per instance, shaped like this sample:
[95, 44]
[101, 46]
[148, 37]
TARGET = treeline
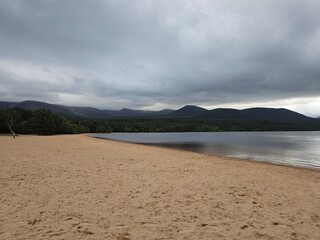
[44, 122]
[149, 125]
[193, 125]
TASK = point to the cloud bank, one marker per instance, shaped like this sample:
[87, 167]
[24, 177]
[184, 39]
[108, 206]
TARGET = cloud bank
[157, 54]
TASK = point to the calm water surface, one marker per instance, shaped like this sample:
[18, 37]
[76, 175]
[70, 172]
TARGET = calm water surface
[290, 148]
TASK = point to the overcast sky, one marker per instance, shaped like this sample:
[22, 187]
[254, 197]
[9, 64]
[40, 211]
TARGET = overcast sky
[159, 54]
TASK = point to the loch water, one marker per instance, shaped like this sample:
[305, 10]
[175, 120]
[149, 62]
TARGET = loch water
[300, 149]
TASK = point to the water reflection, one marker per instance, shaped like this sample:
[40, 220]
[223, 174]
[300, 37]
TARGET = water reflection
[292, 148]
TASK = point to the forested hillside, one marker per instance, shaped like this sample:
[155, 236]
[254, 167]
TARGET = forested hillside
[44, 122]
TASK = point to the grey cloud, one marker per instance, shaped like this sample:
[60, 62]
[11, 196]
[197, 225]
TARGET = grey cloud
[114, 54]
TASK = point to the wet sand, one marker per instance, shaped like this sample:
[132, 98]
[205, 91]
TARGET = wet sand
[77, 187]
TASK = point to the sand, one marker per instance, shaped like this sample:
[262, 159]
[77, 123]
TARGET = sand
[77, 187]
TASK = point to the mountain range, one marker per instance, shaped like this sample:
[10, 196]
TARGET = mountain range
[188, 111]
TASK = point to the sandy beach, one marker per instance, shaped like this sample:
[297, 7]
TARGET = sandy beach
[77, 187]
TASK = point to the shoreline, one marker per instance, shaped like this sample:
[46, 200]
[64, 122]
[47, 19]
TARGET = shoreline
[211, 154]
[79, 187]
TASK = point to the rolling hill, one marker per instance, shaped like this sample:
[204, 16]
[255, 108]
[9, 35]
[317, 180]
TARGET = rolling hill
[257, 114]
[82, 112]
[188, 111]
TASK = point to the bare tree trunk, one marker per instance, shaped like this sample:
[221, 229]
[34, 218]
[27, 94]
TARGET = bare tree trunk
[10, 124]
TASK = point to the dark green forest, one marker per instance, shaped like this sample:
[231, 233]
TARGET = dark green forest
[44, 122]
[41, 122]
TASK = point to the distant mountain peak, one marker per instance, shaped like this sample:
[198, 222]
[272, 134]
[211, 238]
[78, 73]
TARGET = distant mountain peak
[126, 110]
[189, 110]
[193, 107]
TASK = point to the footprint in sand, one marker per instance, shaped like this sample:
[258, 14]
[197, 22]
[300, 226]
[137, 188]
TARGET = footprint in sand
[123, 236]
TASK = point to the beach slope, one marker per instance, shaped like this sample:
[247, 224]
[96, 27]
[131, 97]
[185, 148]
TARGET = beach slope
[77, 187]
